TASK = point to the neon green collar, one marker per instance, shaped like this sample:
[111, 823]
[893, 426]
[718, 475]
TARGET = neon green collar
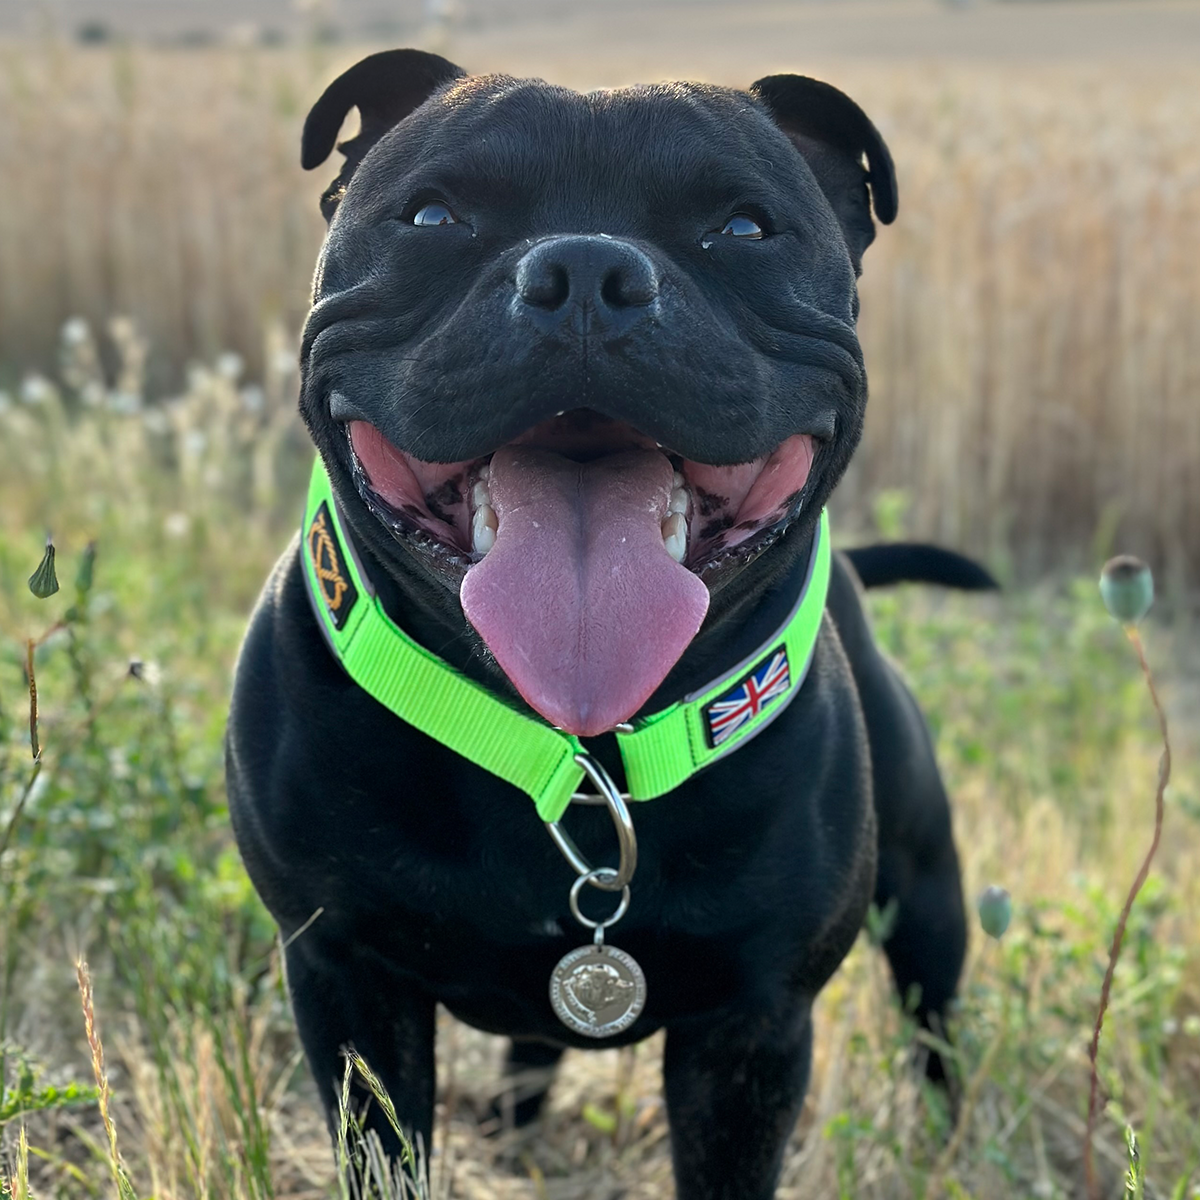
[659, 752]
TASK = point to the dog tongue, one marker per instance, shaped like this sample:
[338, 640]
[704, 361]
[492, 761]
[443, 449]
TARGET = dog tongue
[578, 599]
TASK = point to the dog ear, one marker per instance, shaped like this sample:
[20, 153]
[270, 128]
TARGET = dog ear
[385, 88]
[834, 134]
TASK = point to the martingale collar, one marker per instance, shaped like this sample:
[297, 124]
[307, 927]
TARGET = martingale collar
[659, 751]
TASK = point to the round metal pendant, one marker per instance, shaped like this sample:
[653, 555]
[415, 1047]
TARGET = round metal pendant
[597, 991]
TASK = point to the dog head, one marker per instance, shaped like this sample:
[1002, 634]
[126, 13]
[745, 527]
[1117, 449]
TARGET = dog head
[584, 359]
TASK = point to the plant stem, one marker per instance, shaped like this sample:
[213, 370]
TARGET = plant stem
[982, 1072]
[10, 828]
[30, 647]
[1164, 775]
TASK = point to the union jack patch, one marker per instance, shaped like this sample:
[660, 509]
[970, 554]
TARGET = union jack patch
[767, 681]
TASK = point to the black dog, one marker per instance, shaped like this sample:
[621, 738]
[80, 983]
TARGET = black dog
[583, 371]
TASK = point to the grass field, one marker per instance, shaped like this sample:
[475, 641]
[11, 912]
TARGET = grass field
[1032, 328]
[121, 852]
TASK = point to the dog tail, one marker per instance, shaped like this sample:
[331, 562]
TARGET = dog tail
[918, 562]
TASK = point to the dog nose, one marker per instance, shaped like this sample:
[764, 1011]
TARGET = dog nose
[610, 278]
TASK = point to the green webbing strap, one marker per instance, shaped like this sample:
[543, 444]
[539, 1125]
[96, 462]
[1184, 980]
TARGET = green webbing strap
[660, 752]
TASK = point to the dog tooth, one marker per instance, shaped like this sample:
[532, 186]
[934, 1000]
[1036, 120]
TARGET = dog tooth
[674, 531]
[679, 501]
[675, 548]
[678, 481]
[482, 540]
[480, 495]
[485, 472]
[483, 528]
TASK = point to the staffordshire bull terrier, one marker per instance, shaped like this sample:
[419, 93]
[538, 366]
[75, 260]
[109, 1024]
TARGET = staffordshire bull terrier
[582, 373]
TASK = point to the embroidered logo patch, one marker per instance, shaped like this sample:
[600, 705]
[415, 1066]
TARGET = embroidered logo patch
[333, 580]
[729, 713]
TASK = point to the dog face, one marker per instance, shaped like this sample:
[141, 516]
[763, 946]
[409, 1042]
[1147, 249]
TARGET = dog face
[584, 358]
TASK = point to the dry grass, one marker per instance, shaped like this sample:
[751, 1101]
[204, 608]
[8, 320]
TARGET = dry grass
[1032, 322]
[173, 193]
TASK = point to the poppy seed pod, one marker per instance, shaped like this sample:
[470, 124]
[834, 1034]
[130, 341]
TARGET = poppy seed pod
[44, 581]
[1127, 588]
[995, 911]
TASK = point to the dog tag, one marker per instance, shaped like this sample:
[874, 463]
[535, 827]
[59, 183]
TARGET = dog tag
[597, 990]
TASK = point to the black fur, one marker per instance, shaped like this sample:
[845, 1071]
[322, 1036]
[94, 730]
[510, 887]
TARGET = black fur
[435, 881]
[918, 562]
[385, 88]
[834, 134]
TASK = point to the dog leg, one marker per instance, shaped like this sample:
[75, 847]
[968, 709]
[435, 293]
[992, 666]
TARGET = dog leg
[927, 942]
[918, 866]
[734, 1091]
[343, 999]
[528, 1073]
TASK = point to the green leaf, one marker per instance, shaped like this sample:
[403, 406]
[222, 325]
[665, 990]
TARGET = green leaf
[85, 572]
[27, 1099]
[881, 922]
[1134, 1177]
[606, 1122]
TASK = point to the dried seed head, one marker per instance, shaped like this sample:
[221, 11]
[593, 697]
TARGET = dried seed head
[995, 911]
[1127, 588]
[44, 581]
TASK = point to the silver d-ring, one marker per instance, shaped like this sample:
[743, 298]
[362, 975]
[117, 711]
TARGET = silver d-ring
[603, 878]
[622, 822]
[567, 848]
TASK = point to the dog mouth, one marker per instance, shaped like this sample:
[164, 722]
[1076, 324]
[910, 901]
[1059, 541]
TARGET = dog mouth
[584, 548]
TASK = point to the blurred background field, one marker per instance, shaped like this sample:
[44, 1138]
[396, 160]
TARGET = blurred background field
[1031, 323]
[1032, 331]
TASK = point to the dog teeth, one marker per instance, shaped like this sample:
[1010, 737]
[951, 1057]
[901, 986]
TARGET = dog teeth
[484, 522]
[483, 529]
[674, 532]
[674, 528]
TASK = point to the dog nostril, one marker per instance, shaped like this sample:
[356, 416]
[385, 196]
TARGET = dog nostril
[547, 285]
[586, 274]
[625, 288]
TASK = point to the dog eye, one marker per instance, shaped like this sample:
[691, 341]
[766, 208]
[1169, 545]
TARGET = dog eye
[742, 226]
[435, 213]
